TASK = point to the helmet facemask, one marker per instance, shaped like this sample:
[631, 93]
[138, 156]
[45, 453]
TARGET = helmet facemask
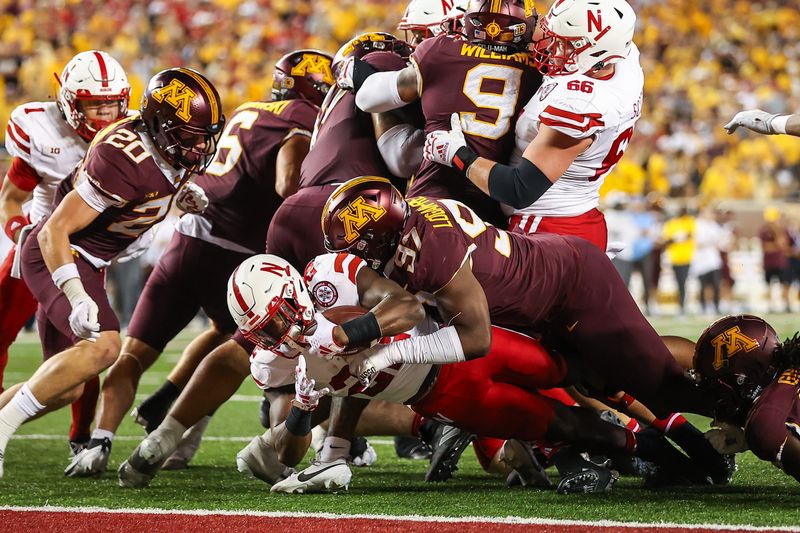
[181, 143]
[285, 318]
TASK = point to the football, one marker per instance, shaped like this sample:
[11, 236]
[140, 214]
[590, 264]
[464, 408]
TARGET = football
[341, 314]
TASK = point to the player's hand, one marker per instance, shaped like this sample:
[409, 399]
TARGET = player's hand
[191, 198]
[441, 146]
[321, 342]
[304, 387]
[366, 365]
[726, 438]
[83, 319]
[754, 119]
[345, 77]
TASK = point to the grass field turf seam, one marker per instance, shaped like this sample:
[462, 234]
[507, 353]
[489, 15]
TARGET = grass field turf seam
[760, 495]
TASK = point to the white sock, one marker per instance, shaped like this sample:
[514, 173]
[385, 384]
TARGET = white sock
[27, 402]
[334, 448]
[101, 434]
[22, 406]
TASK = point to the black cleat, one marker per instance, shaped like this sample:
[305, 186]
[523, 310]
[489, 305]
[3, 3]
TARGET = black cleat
[411, 448]
[589, 480]
[448, 444]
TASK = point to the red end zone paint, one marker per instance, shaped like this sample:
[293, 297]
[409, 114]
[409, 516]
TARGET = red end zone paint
[109, 520]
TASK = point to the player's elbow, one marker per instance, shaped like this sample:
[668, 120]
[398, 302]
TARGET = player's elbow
[413, 308]
[477, 344]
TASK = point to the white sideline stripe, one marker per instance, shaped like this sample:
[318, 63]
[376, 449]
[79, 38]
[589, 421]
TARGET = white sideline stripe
[409, 518]
[45, 436]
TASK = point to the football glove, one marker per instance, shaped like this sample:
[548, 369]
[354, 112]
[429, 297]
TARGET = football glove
[191, 198]
[304, 387]
[321, 342]
[345, 77]
[441, 146]
[755, 120]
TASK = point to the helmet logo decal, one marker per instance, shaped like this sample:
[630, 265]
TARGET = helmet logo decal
[729, 343]
[493, 29]
[314, 64]
[277, 270]
[357, 214]
[178, 95]
[595, 19]
[529, 8]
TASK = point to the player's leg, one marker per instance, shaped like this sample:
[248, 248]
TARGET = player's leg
[17, 305]
[216, 379]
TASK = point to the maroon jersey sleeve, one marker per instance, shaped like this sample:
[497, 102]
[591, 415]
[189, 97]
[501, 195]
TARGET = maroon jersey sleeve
[765, 429]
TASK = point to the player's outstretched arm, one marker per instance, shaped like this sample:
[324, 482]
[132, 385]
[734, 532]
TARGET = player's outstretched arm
[766, 123]
[396, 310]
[544, 161]
[385, 91]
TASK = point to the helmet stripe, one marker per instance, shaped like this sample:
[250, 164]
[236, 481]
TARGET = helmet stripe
[246, 309]
[209, 92]
[103, 69]
[496, 5]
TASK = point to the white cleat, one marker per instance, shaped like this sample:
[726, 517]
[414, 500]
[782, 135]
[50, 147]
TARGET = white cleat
[145, 461]
[187, 447]
[260, 460]
[90, 462]
[319, 477]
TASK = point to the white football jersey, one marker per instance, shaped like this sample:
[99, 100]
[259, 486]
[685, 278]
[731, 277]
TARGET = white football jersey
[38, 134]
[581, 107]
[331, 279]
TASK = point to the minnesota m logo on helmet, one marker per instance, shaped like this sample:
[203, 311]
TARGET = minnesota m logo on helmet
[178, 95]
[356, 215]
[729, 343]
[314, 64]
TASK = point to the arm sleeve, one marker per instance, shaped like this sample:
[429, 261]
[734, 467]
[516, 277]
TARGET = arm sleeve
[401, 148]
[18, 139]
[379, 93]
[23, 175]
[518, 186]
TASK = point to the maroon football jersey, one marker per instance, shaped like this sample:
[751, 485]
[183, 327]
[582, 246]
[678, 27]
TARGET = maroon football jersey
[240, 182]
[343, 145]
[525, 279]
[766, 425]
[135, 184]
[488, 90]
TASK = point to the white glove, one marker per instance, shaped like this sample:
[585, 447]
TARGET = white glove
[366, 365]
[191, 198]
[321, 342]
[304, 387]
[441, 146]
[726, 438]
[755, 120]
[83, 319]
[368, 458]
[345, 77]
[16, 265]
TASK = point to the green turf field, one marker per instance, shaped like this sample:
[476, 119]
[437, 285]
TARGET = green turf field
[759, 494]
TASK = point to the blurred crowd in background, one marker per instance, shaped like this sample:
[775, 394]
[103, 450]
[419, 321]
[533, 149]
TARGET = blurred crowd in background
[703, 61]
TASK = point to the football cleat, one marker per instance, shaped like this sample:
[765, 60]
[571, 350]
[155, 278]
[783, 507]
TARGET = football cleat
[411, 448]
[260, 460]
[187, 447]
[448, 444]
[92, 461]
[145, 461]
[595, 479]
[519, 456]
[318, 477]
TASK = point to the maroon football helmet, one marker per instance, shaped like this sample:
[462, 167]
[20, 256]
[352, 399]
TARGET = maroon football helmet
[183, 114]
[365, 217]
[365, 43]
[303, 74]
[502, 26]
[734, 360]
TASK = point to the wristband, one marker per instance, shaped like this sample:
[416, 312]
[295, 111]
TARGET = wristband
[14, 224]
[778, 124]
[463, 159]
[64, 273]
[298, 422]
[362, 330]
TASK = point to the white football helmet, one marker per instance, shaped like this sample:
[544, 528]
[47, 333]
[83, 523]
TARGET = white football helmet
[584, 35]
[269, 301]
[425, 18]
[92, 75]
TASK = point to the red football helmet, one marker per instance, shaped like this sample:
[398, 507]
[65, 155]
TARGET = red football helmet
[365, 43]
[502, 26]
[183, 115]
[303, 74]
[365, 217]
[734, 359]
